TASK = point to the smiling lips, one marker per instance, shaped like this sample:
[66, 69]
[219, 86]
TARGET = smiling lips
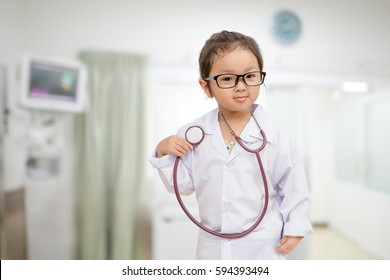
[241, 98]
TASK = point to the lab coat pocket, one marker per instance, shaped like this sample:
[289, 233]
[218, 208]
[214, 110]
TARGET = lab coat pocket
[256, 250]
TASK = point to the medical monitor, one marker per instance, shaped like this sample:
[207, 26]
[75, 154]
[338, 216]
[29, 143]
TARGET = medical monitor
[54, 84]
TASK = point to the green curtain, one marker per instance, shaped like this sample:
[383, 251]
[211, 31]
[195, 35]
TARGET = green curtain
[110, 141]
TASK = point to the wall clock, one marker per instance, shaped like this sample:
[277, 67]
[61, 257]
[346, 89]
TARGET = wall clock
[286, 27]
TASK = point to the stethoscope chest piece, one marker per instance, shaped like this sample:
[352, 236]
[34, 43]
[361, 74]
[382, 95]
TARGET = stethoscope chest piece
[194, 135]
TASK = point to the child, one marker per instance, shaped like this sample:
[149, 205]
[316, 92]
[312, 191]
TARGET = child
[225, 178]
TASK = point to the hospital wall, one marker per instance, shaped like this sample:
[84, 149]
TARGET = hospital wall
[339, 42]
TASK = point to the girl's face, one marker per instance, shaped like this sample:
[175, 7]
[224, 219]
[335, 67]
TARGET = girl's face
[241, 97]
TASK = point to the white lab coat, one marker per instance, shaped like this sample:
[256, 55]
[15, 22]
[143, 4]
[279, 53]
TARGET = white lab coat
[230, 193]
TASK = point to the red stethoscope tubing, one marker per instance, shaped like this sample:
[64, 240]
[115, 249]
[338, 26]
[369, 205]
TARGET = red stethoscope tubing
[266, 193]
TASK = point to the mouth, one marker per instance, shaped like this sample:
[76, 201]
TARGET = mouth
[240, 98]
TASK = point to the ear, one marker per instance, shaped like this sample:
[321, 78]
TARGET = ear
[204, 85]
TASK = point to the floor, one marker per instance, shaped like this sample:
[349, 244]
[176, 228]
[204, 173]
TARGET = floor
[327, 244]
[324, 244]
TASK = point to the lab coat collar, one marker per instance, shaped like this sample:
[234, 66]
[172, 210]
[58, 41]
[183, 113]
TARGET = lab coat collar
[210, 125]
[265, 122]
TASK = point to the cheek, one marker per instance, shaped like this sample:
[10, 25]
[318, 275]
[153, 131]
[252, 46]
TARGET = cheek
[213, 91]
[255, 92]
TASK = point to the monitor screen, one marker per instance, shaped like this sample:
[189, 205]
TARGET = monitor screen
[55, 84]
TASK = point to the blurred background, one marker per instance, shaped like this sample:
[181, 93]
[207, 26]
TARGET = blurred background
[75, 183]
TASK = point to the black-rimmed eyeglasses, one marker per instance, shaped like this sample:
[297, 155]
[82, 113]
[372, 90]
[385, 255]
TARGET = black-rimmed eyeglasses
[254, 78]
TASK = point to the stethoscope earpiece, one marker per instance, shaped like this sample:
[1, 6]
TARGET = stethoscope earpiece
[194, 135]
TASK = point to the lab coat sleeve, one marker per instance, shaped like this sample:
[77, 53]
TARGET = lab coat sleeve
[294, 193]
[165, 167]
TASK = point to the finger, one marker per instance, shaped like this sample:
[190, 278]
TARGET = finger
[180, 151]
[281, 249]
[283, 240]
[184, 144]
[284, 250]
[189, 145]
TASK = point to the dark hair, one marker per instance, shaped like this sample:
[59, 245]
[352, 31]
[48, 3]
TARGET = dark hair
[224, 42]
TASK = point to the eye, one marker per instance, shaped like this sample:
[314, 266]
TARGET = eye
[226, 78]
[251, 75]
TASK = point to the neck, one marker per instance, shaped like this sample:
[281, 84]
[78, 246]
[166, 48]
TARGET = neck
[236, 116]
[234, 124]
[242, 117]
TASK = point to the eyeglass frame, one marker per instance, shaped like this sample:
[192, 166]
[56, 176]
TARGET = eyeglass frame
[215, 78]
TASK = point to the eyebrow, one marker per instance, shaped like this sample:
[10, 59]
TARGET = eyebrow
[250, 69]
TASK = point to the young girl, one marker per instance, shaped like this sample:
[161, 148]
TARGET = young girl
[225, 178]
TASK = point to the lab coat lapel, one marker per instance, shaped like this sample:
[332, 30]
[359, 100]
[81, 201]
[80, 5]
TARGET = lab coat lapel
[211, 126]
[247, 133]
[218, 141]
[251, 131]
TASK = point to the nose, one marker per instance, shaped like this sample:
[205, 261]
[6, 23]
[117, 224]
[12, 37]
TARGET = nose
[240, 83]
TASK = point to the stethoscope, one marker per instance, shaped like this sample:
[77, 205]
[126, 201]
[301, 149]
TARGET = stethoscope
[194, 135]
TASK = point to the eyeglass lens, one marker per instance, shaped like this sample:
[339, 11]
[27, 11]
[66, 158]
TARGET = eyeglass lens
[231, 80]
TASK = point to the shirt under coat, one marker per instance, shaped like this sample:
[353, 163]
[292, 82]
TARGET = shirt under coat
[230, 192]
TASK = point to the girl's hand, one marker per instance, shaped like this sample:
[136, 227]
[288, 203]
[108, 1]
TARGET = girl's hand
[288, 243]
[173, 145]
